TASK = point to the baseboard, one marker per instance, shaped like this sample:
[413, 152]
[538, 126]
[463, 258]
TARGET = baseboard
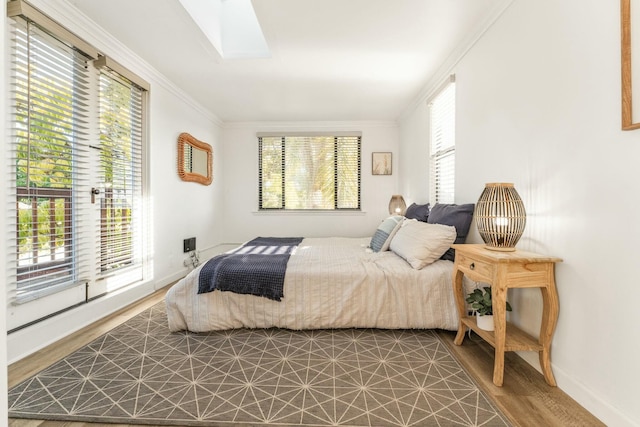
[26, 341]
[37, 336]
[172, 278]
[586, 397]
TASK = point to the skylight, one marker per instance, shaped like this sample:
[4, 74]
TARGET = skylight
[231, 26]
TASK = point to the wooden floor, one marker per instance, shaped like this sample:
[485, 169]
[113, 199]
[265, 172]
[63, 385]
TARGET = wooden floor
[525, 398]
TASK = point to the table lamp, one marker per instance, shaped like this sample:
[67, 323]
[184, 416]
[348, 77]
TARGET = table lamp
[500, 216]
[397, 206]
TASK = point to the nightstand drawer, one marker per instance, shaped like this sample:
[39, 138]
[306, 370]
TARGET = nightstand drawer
[474, 269]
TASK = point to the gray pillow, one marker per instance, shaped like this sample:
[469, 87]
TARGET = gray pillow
[382, 237]
[459, 216]
[419, 212]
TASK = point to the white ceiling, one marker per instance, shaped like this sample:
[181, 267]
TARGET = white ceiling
[346, 60]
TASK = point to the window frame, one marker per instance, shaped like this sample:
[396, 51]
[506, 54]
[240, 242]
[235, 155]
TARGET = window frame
[44, 94]
[439, 155]
[353, 138]
[79, 214]
[120, 258]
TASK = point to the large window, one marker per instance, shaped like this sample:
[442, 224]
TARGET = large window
[120, 174]
[302, 172]
[50, 123]
[76, 143]
[442, 115]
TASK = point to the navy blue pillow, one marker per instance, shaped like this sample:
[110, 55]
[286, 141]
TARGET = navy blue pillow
[419, 212]
[459, 216]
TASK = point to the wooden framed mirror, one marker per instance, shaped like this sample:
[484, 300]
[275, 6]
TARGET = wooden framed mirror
[630, 27]
[195, 160]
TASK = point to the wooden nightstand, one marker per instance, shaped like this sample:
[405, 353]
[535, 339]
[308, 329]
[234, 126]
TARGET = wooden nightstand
[504, 270]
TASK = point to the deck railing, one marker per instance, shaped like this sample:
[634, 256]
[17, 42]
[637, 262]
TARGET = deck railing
[44, 231]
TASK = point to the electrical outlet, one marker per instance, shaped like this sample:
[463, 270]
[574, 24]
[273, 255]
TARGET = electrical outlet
[189, 245]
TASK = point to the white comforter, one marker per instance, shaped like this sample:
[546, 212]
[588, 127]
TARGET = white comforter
[329, 283]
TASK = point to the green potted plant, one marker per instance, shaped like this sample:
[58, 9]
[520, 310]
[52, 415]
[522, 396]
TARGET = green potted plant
[480, 302]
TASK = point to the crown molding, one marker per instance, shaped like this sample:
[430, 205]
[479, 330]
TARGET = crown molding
[306, 125]
[443, 72]
[73, 19]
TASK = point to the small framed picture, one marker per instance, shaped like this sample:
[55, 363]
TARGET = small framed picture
[381, 163]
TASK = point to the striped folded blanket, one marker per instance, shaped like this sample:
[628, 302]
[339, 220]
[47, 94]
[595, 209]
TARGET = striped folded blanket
[257, 268]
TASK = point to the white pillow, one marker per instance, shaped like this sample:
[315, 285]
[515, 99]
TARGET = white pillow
[420, 243]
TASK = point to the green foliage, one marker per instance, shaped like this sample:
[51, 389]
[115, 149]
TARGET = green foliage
[38, 233]
[311, 167]
[117, 142]
[45, 136]
[313, 160]
[43, 140]
[347, 176]
[271, 173]
[480, 300]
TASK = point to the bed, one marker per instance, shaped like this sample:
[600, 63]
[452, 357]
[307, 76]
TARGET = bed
[334, 282]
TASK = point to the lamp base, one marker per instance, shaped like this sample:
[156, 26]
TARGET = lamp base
[500, 249]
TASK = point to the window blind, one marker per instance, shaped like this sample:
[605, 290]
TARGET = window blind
[77, 125]
[442, 114]
[120, 117]
[49, 124]
[309, 172]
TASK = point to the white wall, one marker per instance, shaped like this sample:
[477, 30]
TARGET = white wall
[538, 101]
[178, 209]
[181, 209]
[243, 222]
[414, 155]
[3, 228]
[538, 104]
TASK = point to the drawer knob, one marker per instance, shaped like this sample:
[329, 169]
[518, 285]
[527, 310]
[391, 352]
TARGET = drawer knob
[472, 266]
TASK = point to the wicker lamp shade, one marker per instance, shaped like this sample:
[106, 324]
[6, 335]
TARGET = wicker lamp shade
[500, 216]
[397, 205]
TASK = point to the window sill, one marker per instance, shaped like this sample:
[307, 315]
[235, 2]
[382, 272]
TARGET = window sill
[306, 212]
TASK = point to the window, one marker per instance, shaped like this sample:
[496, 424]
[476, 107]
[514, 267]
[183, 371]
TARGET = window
[50, 120]
[442, 115]
[120, 174]
[309, 172]
[76, 143]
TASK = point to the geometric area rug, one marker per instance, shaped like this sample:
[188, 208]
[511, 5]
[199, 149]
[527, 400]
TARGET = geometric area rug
[140, 373]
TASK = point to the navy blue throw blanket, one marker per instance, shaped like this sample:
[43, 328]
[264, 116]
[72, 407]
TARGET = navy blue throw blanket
[257, 268]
